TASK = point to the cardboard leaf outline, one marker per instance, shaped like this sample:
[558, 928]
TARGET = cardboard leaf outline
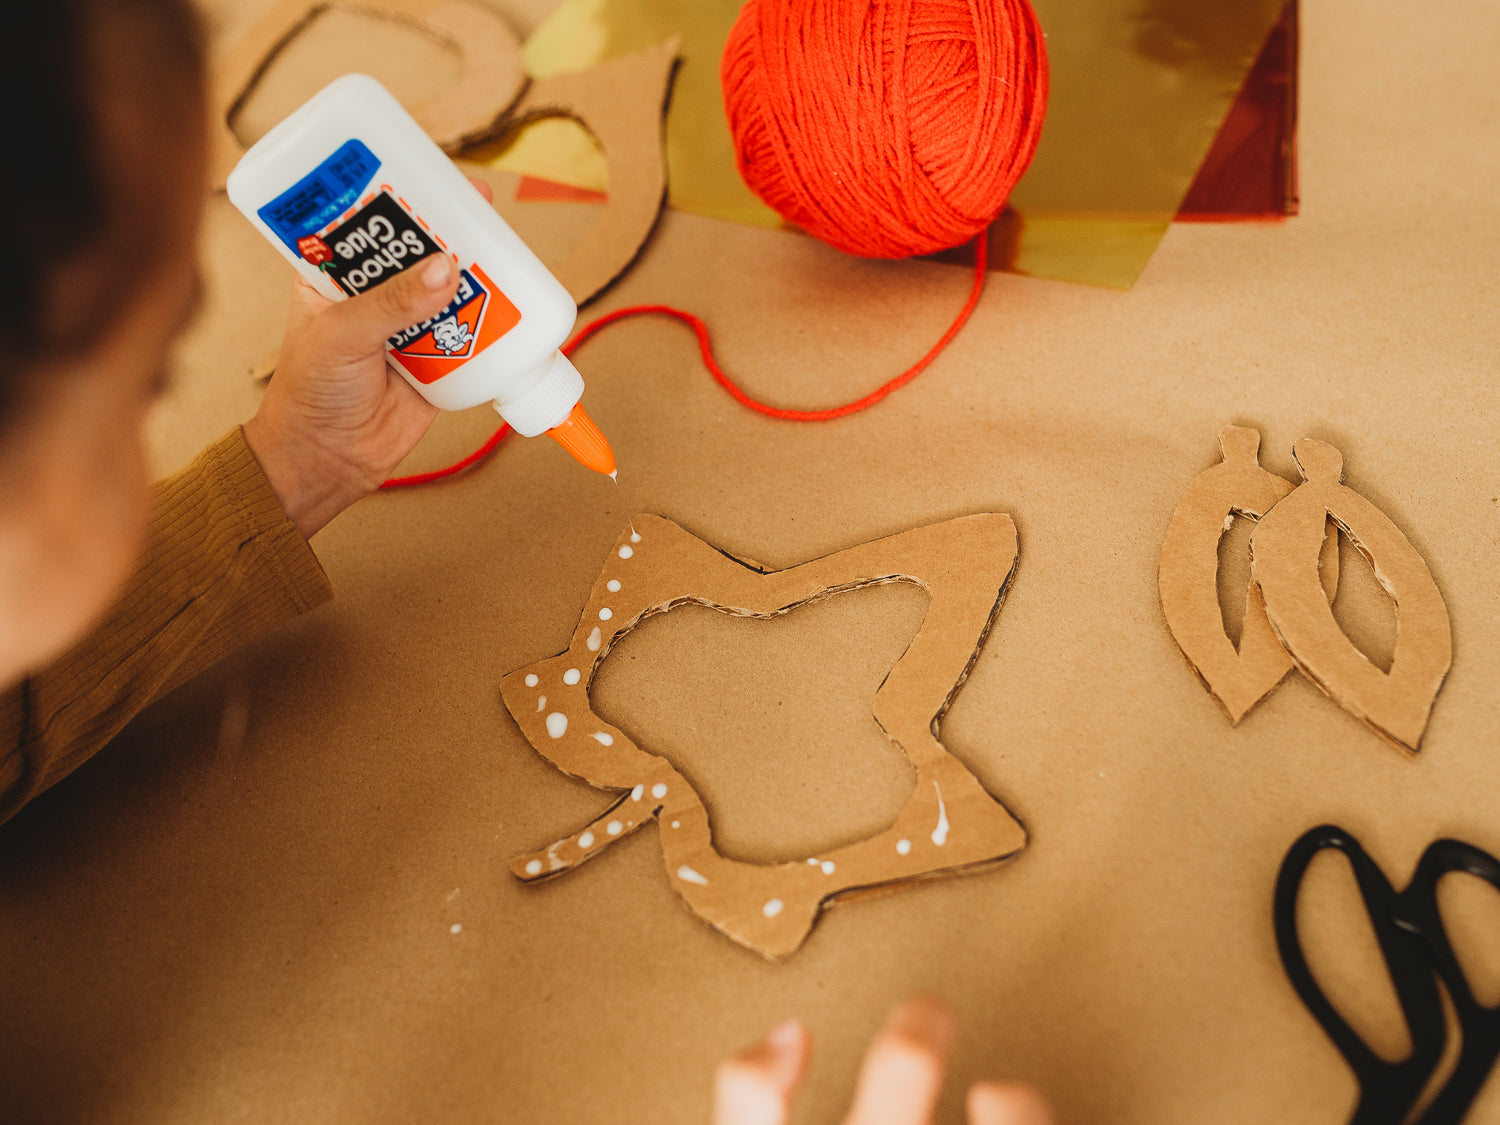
[1187, 576]
[951, 822]
[620, 103]
[492, 71]
[1283, 547]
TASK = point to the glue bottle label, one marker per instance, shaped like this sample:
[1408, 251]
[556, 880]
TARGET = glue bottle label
[361, 233]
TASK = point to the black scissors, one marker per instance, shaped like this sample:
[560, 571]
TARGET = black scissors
[1417, 954]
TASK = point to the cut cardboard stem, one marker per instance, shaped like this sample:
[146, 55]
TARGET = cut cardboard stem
[620, 103]
[1188, 576]
[950, 823]
[1284, 550]
[491, 76]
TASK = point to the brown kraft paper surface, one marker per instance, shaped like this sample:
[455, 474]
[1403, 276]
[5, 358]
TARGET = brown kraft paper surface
[285, 892]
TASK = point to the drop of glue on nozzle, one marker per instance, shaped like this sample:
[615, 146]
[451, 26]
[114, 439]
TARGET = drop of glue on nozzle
[585, 444]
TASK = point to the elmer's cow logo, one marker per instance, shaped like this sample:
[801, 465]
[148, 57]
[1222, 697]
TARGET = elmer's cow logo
[478, 315]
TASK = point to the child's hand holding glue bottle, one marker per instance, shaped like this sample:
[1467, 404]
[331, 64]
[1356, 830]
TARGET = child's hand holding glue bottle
[353, 192]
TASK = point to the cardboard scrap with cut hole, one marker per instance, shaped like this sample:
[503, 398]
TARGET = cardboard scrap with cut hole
[951, 823]
[1188, 576]
[492, 71]
[620, 103]
[1284, 550]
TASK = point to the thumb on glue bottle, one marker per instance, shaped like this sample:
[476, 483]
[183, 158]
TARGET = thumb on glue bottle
[361, 325]
[336, 419]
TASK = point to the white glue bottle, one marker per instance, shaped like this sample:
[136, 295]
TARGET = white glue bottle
[352, 191]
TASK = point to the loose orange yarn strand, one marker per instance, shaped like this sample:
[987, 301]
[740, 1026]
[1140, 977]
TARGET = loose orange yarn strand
[700, 330]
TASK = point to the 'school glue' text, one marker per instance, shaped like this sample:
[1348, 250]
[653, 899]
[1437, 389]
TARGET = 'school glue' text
[352, 191]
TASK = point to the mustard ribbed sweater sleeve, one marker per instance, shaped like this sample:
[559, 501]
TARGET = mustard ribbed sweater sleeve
[222, 562]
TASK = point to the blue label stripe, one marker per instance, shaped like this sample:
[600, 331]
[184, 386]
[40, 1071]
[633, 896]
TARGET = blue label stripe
[322, 195]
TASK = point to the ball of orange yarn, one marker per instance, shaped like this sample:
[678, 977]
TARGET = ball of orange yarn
[886, 129]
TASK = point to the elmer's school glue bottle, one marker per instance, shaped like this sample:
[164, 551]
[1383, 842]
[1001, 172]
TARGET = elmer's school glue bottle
[352, 191]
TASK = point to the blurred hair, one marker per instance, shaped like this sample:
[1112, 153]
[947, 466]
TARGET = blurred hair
[83, 83]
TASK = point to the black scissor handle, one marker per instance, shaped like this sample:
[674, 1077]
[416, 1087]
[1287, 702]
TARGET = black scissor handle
[1416, 911]
[1388, 1090]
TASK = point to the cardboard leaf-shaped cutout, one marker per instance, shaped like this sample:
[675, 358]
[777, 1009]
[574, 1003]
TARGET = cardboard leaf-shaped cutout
[950, 823]
[1284, 550]
[620, 103]
[1188, 576]
[491, 75]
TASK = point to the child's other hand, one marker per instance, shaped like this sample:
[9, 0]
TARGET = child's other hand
[336, 418]
[898, 1084]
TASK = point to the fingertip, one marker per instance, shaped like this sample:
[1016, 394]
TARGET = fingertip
[437, 272]
[791, 1046]
[755, 1086]
[903, 1070]
[787, 1034]
[1007, 1103]
[483, 189]
[924, 1019]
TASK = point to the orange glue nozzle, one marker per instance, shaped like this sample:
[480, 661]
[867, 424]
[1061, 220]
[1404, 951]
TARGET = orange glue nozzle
[583, 441]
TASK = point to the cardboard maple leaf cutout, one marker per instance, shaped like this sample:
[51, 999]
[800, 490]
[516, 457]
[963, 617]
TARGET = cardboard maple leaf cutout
[950, 823]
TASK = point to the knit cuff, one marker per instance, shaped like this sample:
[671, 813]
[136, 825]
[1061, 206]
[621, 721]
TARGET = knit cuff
[232, 465]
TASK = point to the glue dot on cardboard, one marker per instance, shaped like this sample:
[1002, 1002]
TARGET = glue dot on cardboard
[606, 613]
[638, 792]
[903, 846]
[614, 828]
[534, 867]
[557, 724]
[635, 536]
[828, 867]
[677, 824]
[457, 927]
[688, 875]
[593, 641]
[604, 738]
[626, 552]
[813, 862]
[613, 586]
[531, 680]
[541, 703]
[658, 790]
[772, 908]
[586, 840]
[572, 676]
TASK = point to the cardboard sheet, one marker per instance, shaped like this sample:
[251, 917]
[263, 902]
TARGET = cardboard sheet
[490, 71]
[949, 823]
[246, 910]
[620, 104]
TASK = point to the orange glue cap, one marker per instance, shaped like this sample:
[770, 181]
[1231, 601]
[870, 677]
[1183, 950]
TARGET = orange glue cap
[583, 441]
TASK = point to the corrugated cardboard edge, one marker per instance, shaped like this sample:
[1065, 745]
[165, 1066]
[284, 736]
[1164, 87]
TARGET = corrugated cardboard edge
[621, 104]
[950, 823]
